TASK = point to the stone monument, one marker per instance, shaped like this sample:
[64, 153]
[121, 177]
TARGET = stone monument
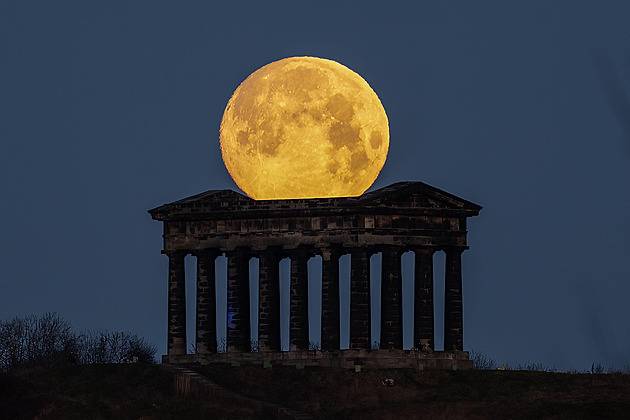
[405, 216]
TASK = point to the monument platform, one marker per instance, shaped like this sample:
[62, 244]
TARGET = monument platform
[348, 359]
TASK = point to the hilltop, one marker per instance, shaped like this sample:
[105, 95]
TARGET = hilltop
[133, 391]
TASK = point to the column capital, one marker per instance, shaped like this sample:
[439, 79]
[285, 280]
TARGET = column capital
[359, 251]
[425, 250]
[241, 250]
[176, 253]
[395, 250]
[330, 252]
[454, 249]
[302, 251]
[207, 252]
[275, 251]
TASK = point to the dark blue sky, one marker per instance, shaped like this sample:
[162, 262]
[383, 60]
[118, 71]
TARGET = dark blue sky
[108, 109]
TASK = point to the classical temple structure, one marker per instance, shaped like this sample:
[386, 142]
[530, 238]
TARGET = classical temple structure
[406, 216]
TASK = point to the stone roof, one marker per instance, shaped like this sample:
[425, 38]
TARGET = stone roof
[412, 197]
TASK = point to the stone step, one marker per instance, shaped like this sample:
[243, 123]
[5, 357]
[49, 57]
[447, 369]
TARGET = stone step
[188, 382]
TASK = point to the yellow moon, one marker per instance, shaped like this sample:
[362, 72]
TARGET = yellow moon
[304, 127]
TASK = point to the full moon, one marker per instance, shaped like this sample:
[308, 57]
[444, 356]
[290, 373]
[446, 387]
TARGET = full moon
[304, 127]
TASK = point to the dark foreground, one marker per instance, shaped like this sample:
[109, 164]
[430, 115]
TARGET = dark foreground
[102, 392]
[147, 392]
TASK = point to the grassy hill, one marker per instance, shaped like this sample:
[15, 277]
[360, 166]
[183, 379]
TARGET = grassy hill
[115, 391]
[434, 394]
[147, 392]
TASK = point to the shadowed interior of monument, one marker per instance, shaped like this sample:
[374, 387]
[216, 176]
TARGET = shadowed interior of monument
[314, 300]
[331, 282]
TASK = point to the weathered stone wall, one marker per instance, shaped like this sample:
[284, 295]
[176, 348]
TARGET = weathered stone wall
[319, 232]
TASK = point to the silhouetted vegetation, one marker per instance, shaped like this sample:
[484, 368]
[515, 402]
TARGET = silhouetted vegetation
[481, 361]
[49, 340]
[344, 394]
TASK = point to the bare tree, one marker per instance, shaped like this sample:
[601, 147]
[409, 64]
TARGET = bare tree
[481, 361]
[49, 340]
[31, 340]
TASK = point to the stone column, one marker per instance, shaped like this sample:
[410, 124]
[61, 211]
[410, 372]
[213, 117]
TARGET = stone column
[330, 299]
[238, 325]
[206, 330]
[453, 309]
[360, 328]
[176, 303]
[423, 321]
[298, 334]
[391, 299]
[269, 302]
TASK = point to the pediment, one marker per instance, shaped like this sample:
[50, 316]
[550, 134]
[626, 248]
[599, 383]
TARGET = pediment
[402, 196]
[212, 198]
[415, 195]
[207, 201]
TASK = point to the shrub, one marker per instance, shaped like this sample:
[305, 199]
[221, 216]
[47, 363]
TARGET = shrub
[481, 361]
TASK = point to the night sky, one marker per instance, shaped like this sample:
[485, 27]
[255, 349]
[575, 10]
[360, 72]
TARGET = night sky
[108, 109]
